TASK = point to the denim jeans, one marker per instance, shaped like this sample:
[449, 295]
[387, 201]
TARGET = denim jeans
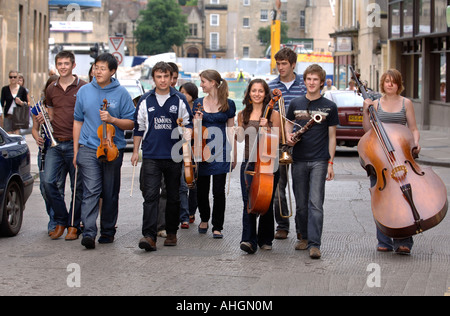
[59, 162]
[100, 179]
[309, 189]
[264, 234]
[150, 183]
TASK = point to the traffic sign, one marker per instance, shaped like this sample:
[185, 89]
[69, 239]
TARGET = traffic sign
[117, 48]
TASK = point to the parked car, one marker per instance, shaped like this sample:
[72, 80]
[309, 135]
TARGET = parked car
[350, 111]
[135, 89]
[16, 182]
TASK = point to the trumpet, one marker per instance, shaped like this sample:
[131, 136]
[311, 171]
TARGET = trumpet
[47, 126]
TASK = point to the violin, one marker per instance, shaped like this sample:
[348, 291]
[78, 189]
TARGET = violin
[261, 189]
[201, 150]
[189, 173]
[406, 200]
[107, 151]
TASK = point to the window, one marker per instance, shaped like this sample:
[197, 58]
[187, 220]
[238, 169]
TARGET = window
[395, 20]
[408, 14]
[193, 29]
[214, 20]
[302, 20]
[284, 17]
[214, 2]
[246, 3]
[214, 41]
[246, 22]
[438, 69]
[424, 17]
[246, 52]
[264, 15]
[440, 19]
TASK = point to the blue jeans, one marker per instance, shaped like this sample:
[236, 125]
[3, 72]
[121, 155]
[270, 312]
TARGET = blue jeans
[309, 189]
[100, 179]
[59, 162]
[264, 235]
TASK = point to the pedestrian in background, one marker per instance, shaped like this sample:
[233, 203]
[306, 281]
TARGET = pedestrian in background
[12, 96]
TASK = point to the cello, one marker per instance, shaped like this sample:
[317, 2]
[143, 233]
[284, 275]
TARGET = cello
[107, 151]
[261, 189]
[406, 200]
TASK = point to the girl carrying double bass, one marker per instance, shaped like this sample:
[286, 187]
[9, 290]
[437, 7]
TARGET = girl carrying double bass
[393, 108]
[256, 99]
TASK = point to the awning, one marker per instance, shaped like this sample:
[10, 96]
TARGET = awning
[81, 3]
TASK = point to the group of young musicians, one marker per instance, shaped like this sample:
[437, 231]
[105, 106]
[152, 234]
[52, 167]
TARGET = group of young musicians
[75, 112]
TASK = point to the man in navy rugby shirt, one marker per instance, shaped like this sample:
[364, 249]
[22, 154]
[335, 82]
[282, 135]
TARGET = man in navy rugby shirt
[292, 86]
[155, 120]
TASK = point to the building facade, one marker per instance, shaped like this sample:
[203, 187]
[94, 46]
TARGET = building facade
[419, 46]
[360, 40]
[229, 28]
[24, 36]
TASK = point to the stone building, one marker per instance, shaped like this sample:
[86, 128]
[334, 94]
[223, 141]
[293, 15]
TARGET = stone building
[24, 42]
[360, 40]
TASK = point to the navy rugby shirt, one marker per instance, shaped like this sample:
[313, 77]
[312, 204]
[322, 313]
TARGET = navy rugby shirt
[155, 123]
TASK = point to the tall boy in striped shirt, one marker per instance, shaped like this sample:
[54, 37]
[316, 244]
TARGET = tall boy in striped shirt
[292, 86]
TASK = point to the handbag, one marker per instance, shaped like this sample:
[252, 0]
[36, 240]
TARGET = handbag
[21, 117]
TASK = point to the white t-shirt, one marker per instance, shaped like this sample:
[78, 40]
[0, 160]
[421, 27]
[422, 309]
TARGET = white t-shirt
[13, 105]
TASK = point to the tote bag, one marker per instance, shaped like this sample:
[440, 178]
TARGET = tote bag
[21, 117]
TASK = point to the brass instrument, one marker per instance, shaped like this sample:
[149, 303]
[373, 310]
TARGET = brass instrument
[47, 126]
[285, 156]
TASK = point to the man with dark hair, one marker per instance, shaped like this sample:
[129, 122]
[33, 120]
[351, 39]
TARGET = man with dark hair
[99, 177]
[313, 158]
[155, 121]
[60, 99]
[291, 86]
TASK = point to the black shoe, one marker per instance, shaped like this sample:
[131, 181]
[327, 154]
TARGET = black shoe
[88, 242]
[104, 239]
[247, 247]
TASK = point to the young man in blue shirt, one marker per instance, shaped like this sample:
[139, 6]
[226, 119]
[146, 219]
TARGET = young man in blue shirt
[156, 129]
[100, 178]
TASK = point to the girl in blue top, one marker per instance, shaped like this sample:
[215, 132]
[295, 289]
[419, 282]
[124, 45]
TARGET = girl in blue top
[217, 113]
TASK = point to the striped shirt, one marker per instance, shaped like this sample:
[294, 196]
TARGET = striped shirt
[395, 117]
[297, 89]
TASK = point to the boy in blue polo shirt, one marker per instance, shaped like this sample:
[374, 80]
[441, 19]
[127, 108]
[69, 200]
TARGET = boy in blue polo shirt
[100, 178]
[155, 121]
